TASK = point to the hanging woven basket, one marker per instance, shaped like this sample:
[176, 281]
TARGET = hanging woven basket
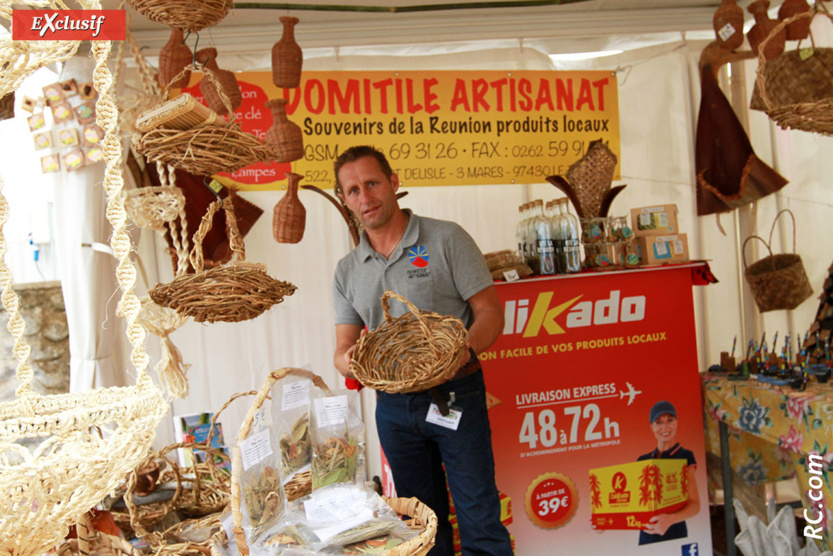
[188, 15]
[230, 293]
[796, 90]
[62, 454]
[409, 353]
[777, 281]
[190, 136]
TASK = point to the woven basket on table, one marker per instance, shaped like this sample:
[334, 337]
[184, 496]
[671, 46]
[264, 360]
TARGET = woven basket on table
[187, 15]
[92, 542]
[190, 136]
[796, 93]
[777, 281]
[202, 502]
[410, 353]
[69, 451]
[234, 292]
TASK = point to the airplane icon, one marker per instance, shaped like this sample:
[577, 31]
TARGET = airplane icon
[631, 393]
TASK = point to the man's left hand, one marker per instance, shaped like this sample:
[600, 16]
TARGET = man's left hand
[659, 524]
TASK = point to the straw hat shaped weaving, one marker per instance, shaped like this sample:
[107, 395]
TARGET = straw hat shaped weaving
[588, 181]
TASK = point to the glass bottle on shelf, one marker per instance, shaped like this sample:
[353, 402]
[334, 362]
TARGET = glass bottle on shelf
[520, 233]
[571, 234]
[544, 239]
[558, 239]
[533, 261]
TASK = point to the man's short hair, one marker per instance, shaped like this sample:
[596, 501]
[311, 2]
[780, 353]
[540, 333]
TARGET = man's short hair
[355, 153]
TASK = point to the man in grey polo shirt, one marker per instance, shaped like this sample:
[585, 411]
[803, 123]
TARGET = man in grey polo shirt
[436, 266]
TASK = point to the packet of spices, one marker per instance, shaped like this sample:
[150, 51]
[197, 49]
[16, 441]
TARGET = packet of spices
[262, 500]
[337, 434]
[290, 421]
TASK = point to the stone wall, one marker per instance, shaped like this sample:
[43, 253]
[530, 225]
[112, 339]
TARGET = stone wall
[43, 311]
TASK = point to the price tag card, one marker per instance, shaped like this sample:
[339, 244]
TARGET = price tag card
[511, 275]
[255, 449]
[260, 420]
[295, 395]
[726, 32]
[450, 421]
[805, 53]
[661, 249]
[331, 411]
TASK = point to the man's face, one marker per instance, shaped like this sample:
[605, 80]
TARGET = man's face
[665, 428]
[367, 192]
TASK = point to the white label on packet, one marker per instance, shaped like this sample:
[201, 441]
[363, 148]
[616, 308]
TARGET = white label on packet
[678, 247]
[661, 249]
[255, 449]
[450, 421]
[726, 31]
[228, 527]
[326, 533]
[295, 395]
[511, 275]
[331, 411]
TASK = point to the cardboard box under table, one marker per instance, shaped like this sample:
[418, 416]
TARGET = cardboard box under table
[627, 495]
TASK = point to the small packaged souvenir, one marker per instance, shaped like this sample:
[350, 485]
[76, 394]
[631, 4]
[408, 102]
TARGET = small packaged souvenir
[87, 91]
[92, 135]
[85, 112]
[62, 111]
[28, 104]
[36, 121]
[43, 140]
[50, 163]
[67, 137]
[69, 88]
[53, 93]
[93, 155]
[73, 160]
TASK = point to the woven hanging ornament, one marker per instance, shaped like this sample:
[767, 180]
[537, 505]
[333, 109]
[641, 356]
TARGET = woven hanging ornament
[284, 137]
[174, 57]
[188, 15]
[761, 30]
[287, 58]
[224, 79]
[289, 216]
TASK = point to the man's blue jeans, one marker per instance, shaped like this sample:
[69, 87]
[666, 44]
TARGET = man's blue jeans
[417, 450]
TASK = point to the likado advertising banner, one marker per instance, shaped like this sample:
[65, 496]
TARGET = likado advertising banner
[435, 127]
[571, 382]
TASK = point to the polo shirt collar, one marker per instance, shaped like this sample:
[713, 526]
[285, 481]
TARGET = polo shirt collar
[667, 453]
[366, 251]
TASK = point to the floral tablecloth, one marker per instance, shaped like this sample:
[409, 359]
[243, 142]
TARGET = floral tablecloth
[772, 430]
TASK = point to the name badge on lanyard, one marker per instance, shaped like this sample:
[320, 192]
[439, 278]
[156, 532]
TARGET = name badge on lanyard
[450, 421]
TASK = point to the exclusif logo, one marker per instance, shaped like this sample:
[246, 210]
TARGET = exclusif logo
[522, 318]
[68, 25]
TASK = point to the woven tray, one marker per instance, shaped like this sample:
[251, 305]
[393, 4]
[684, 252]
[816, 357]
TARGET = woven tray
[410, 353]
[796, 93]
[232, 293]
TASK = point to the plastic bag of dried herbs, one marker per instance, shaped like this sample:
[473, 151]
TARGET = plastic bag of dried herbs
[262, 496]
[344, 515]
[337, 434]
[290, 422]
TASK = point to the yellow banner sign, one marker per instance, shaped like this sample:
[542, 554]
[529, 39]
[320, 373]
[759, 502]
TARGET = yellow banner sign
[439, 127]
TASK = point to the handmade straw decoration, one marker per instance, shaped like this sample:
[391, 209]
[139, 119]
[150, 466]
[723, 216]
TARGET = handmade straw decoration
[188, 15]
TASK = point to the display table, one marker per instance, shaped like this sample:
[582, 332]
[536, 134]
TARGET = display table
[570, 385]
[768, 433]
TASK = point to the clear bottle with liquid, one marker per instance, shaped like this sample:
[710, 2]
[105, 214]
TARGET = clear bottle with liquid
[520, 234]
[533, 260]
[571, 232]
[544, 237]
[558, 238]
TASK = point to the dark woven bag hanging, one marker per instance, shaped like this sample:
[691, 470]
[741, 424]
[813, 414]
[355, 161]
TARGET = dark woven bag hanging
[289, 217]
[777, 281]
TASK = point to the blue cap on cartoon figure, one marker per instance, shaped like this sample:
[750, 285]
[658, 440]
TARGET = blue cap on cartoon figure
[662, 408]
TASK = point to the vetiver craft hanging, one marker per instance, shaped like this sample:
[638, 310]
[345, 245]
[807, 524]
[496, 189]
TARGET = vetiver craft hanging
[83, 443]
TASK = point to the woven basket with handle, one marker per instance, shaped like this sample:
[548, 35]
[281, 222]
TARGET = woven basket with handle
[188, 15]
[777, 281]
[234, 292]
[795, 90]
[410, 353]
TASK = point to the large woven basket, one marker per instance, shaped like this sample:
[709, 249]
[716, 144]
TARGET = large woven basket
[234, 292]
[188, 15]
[797, 93]
[67, 452]
[777, 281]
[410, 353]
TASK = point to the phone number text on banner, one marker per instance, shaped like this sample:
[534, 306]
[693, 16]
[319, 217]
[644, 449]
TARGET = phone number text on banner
[441, 127]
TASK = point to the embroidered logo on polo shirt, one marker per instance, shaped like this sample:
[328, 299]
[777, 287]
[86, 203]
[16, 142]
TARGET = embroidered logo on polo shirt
[418, 256]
